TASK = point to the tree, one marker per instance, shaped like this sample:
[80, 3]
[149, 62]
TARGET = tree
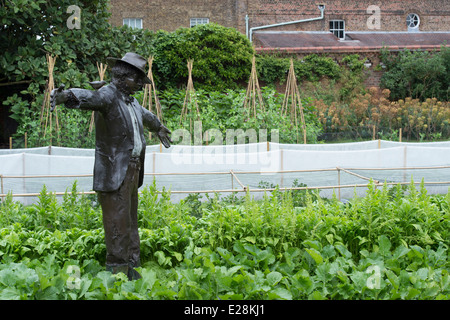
[79, 35]
[417, 74]
[31, 29]
[221, 57]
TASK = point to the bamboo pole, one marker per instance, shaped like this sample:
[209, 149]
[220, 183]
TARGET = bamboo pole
[190, 96]
[402, 168]
[253, 92]
[282, 167]
[101, 72]
[339, 182]
[43, 104]
[1, 187]
[45, 111]
[292, 95]
[358, 175]
[238, 181]
[240, 172]
[242, 190]
[232, 182]
[150, 94]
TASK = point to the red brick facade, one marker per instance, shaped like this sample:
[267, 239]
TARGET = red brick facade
[388, 18]
[434, 14]
[172, 14]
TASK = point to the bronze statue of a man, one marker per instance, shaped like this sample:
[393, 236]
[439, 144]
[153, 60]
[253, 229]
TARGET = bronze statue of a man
[119, 154]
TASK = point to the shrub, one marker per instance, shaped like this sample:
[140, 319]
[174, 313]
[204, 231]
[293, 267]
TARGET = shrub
[272, 68]
[417, 74]
[224, 110]
[418, 120]
[77, 51]
[222, 57]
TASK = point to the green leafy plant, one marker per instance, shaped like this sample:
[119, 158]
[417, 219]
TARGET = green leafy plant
[417, 74]
[222, 57]
[390, 244]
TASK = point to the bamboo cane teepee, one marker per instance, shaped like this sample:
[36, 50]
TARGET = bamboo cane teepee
[190, 97]
[101, 71]
[46, 114]
[253, 91]
[292, 102]
[150, 94]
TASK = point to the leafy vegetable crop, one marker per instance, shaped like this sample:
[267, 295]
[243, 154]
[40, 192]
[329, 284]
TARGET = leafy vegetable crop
[390, 244]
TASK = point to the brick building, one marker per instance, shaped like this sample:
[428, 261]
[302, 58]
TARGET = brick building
[348, 15]
[301, 27]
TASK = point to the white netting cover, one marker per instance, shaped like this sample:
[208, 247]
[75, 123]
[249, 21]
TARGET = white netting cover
[184, 169]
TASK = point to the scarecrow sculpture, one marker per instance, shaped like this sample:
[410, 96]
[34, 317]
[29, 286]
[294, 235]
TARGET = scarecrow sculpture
[119, 154]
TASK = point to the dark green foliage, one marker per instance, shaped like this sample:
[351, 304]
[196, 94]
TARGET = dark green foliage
[272, 68]
[417, 74]
[222, 57]
[222, 111]
[32, 29]
[390, 244]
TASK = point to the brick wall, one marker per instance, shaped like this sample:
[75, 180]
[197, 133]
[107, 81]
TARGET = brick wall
[172, 14]
[434, 14]
[372, 74]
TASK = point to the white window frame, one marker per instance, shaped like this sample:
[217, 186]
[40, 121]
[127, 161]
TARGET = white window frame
[135, 23]
[413, 21]
[197, 21]
[336, 28]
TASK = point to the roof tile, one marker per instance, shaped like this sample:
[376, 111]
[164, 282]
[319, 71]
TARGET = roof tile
[358, 41]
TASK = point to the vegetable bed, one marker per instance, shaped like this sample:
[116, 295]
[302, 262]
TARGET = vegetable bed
[390, 244]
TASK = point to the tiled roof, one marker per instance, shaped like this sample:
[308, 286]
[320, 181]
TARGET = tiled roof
[355, 41]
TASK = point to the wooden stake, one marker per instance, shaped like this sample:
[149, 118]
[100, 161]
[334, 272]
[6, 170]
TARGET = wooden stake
[45, 111]
[253, 91]
[292, 94]
[189, 97]
[101, 71]
[150, 93]
[339, 183]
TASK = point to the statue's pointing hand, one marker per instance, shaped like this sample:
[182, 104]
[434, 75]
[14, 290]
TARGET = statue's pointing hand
[57, 96]
[164, 136]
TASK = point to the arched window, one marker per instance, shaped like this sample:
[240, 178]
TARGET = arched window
[412, 22]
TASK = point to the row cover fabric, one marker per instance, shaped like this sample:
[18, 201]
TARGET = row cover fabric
[224, 168]
[365, 145]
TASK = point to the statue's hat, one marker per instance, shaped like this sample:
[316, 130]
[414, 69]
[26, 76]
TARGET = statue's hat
[132, 59]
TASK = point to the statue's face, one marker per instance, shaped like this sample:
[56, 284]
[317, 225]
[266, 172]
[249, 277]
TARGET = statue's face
[134, 81]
